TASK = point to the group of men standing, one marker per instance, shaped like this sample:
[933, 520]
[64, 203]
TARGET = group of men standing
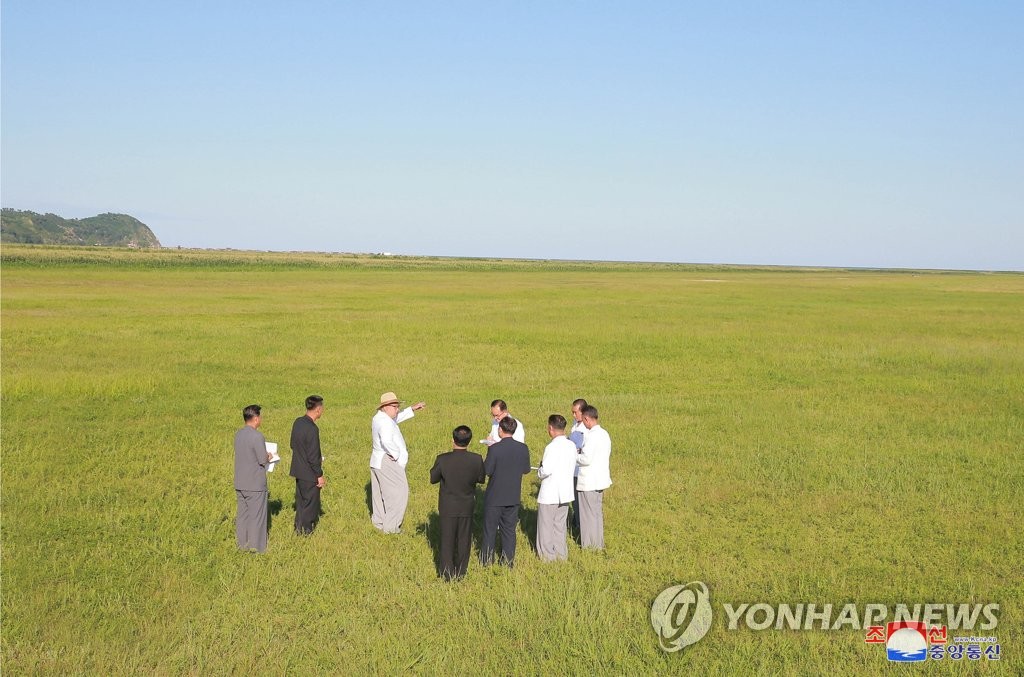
[574, 472]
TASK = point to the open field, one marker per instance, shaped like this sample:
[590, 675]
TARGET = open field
[785, 436]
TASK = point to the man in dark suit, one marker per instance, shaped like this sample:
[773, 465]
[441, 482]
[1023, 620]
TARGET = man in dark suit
[507, 461]
[458, 471]
[307, 468]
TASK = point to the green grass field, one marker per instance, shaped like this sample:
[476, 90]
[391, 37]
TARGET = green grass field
[785, 436]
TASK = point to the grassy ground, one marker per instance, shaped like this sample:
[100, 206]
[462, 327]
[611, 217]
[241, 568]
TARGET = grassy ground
[821, 436]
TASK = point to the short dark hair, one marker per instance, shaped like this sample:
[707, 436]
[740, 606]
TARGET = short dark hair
[500, 404]
[556, 421]
[589, 411]
[313, 401]
[251, 412]
[580, 403]
[462, 435]
[508, 425]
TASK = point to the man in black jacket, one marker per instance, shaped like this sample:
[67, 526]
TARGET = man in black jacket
[458, 471]
[307, 468]
[507, 461]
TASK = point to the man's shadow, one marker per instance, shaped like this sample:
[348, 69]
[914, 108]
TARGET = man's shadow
[528, 523]
[528, 516]
[572, 527]
[478, 522]
[431, 530]
[273, 508]
[369, 500]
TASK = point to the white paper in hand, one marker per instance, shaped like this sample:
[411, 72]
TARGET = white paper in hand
[274, 458]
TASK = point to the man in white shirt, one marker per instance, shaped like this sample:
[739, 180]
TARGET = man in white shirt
[576, 436]
[389, 487]
[499, 410]
[594, 478]
[555, 495]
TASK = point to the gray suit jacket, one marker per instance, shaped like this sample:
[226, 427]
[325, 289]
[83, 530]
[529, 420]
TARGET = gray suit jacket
[250, 460]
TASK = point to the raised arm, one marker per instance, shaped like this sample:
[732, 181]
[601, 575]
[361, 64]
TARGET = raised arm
[409, 412]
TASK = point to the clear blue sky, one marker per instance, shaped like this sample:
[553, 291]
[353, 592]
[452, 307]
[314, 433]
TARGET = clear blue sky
[807, 133]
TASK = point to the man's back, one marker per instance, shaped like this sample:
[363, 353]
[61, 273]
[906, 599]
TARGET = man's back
[595, 474]
[556, 472]
[305, 443]
[507, 462]
[458, 472]
[250, 460]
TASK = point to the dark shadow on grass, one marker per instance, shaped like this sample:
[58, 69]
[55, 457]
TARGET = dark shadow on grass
[320, 513]
[528, 522]
[572, 527]
[273, 508]
[369, 500]
[525, 520]
[431, 530]
[478, 523]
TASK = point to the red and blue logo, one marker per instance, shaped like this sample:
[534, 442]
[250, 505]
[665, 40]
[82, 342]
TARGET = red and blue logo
[906, 641]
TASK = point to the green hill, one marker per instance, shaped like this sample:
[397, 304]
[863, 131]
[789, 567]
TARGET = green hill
[111, 230]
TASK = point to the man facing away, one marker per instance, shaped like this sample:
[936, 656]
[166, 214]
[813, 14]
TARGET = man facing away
[506, 463]
[576, 435]
[251, 458]
[307, 466]
[458, 471]
[389, 487]
[594, 478]
[555, 495]
[499, 412]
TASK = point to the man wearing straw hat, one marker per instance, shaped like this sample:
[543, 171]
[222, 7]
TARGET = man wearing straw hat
[389, 488]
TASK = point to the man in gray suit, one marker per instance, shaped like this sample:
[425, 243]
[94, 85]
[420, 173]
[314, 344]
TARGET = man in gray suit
[251, 458]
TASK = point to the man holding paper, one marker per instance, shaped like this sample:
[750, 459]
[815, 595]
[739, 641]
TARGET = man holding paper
[389, 487]
[251, 458]
[499, 412]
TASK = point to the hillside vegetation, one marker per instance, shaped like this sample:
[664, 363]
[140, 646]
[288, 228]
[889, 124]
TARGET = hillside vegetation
[112, 230]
